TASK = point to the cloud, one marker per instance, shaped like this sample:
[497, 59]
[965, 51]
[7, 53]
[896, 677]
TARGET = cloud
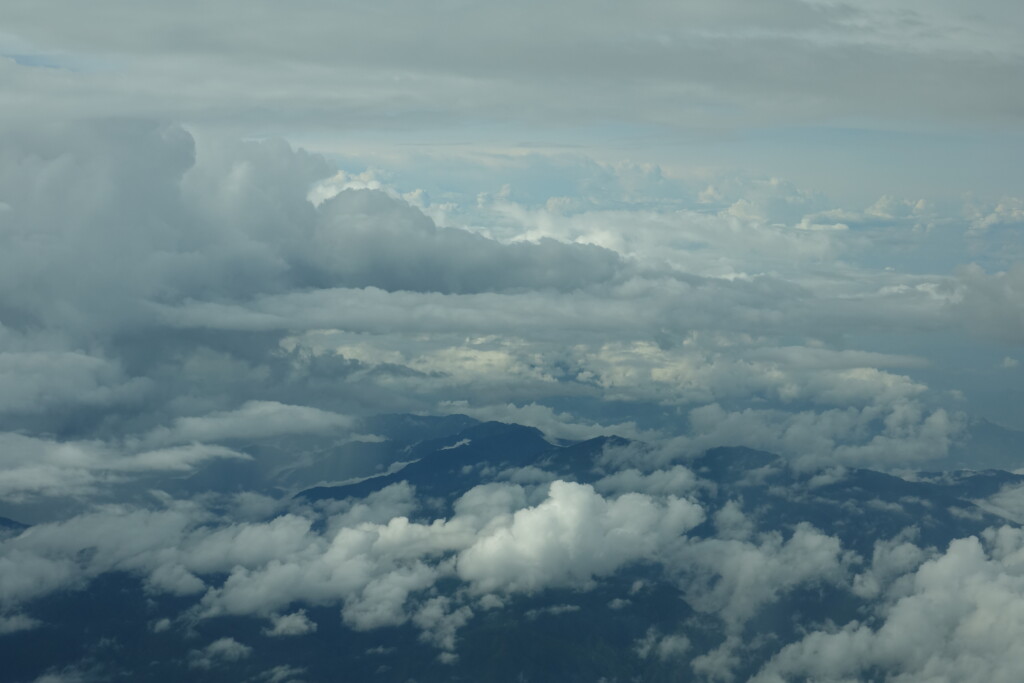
[957, 619]
[812, 439]
[377, 569]
[180, 458]
[236, 309]
[1010, 210]
[282, 673]
[294, 624]
[1007, 502]
[367, 239]
[17, 622]
[503, 540]
[733, 578]
[706, 63]
[663, 647]
[168, 548]
[573, 537]
[37, 381]
[36, 467]
[554, 425]
[677, 480]
[218, 653]
[67, 675]
[439, 622]
[253, 420]
[991, 303]
[382, 572]
[892, 564]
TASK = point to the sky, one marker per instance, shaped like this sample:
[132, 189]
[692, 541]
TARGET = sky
[794, 226]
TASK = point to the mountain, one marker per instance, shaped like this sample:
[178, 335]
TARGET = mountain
[287, 464]
[451, 465]
[775, 553]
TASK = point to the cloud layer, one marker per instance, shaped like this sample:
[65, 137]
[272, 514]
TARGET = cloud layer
[168, 296]
[709, 63]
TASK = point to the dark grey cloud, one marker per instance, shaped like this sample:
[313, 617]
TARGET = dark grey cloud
[107, 222]
[367, 239]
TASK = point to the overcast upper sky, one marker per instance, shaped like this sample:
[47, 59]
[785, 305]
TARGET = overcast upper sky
[907, 96]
